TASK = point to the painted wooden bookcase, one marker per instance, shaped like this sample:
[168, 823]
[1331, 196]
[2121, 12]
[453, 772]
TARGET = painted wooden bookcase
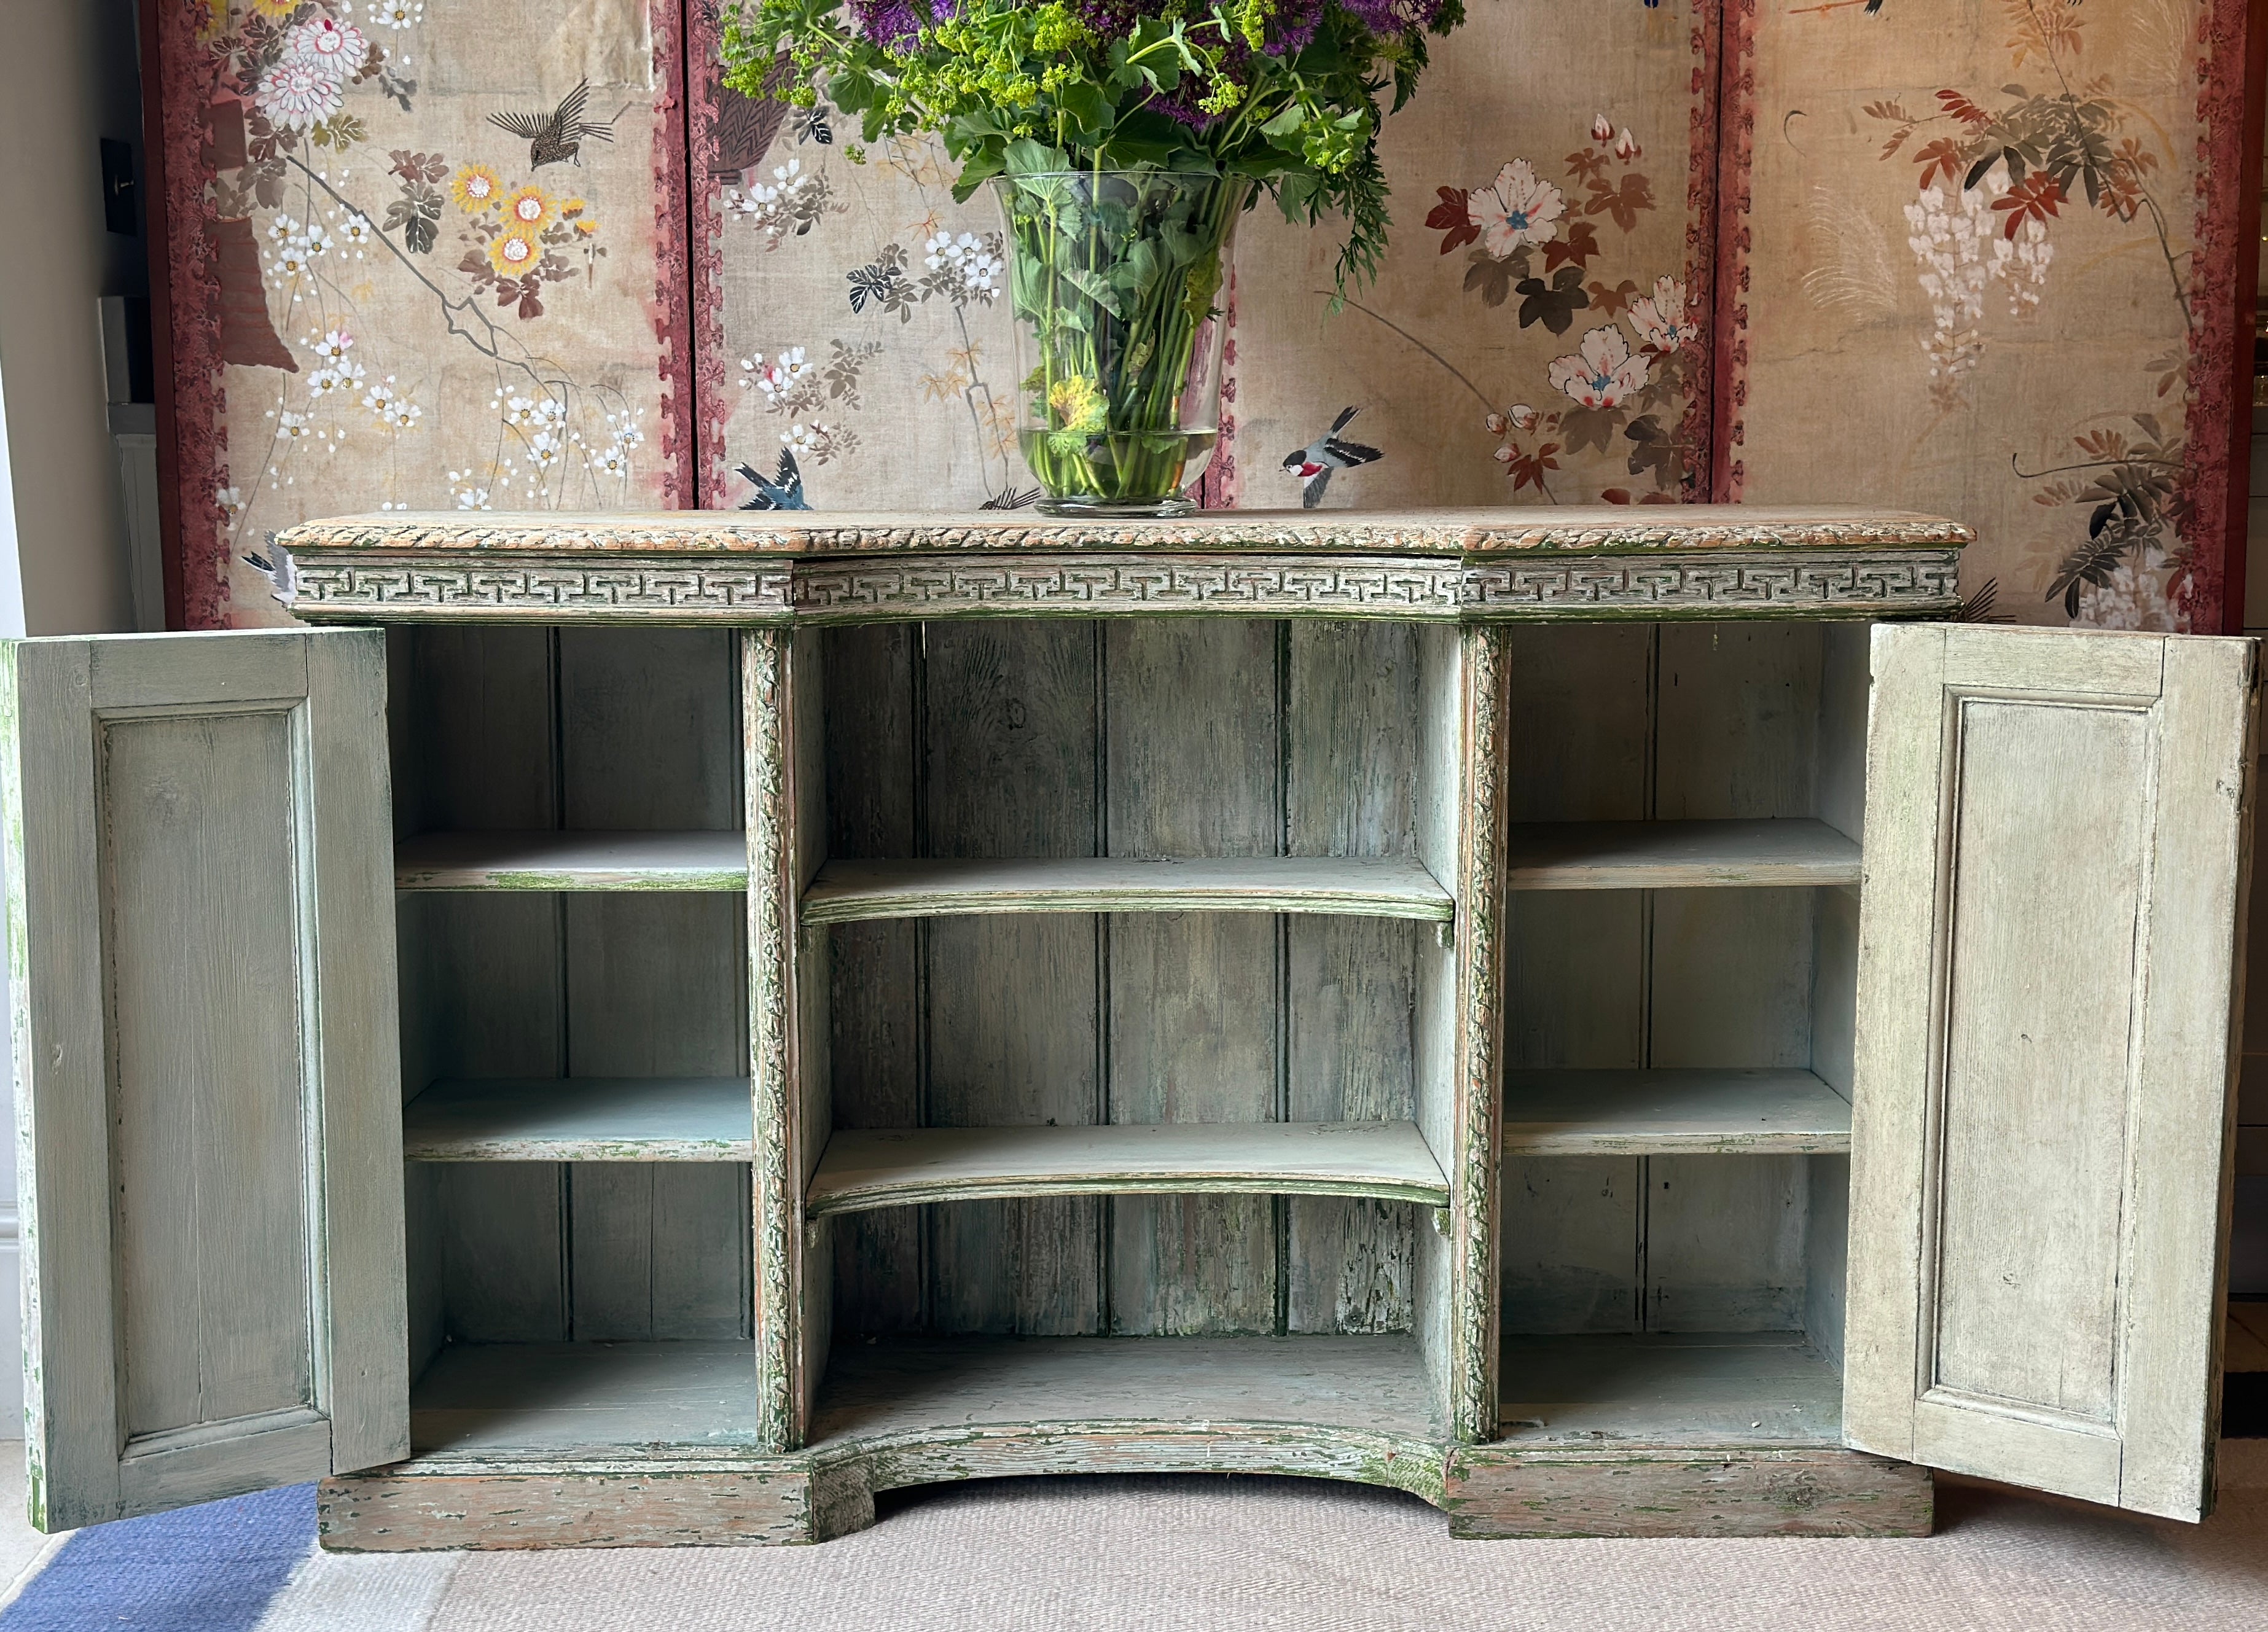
[661, 1028]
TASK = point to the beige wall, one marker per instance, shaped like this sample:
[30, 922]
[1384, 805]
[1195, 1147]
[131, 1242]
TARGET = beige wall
[66, 79]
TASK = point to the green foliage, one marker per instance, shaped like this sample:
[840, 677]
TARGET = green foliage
[1281, 93]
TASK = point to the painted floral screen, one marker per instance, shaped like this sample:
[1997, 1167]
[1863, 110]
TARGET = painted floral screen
[1972, 256]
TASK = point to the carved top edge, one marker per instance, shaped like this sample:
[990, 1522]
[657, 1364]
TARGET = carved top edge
[1597, 529]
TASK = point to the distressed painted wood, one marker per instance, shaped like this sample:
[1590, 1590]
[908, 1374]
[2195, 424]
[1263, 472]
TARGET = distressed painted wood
[572, 861]
[1658, 1329]
[1572, 528]
[1671, 1111]
[929, 1386]
[654, 982]
[875, 1021]
[202, 999]
[1679, 855]
[904, 1166]
[1193, 998]
[1739, 1388]
[1349, 789]
[1014, 1005]
[680, 1503]
[579, 1119]
[2044, 1072]
[850, 891]
[1496, 1492]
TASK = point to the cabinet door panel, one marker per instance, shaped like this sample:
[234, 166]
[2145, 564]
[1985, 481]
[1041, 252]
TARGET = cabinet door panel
[200, 919]
[2057, 860]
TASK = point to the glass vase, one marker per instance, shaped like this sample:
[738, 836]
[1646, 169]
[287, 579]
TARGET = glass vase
[1119, 285]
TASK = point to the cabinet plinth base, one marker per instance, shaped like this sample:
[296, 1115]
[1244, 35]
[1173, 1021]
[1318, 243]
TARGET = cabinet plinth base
[1488, 1492]
[1498, 1492]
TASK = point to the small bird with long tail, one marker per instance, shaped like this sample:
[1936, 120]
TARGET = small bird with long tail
[557, 137]
[783, 491]
[1314, 464]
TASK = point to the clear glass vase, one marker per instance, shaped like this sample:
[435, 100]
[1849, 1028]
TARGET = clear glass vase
[1120, 282]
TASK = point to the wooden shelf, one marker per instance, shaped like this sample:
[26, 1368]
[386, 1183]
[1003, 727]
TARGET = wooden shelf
[1668, 1388]
[581, 1119]
[899, 1168]
[1672, 1113]
[714, 861]
[558, 1398]
[901, 1388]
[1389, 887]
[1678, 855]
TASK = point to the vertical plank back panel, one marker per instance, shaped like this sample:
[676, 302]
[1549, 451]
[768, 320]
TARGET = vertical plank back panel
[1581, 749]
[1730, 971]
[1193, 767]
[649, 735]
[483, 976]
[1010, 734]
[874, 990]
[1351, 781]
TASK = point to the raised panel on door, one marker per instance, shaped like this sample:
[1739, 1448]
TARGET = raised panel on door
[2056, 864]
[200, 914]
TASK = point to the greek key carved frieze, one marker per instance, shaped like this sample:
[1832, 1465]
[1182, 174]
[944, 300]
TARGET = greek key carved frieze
[1086, 584]
[326, 586]
[1918, 580]
[728, 590]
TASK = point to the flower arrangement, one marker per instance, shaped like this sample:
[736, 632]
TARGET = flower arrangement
[1124, 138]
[1281, 92]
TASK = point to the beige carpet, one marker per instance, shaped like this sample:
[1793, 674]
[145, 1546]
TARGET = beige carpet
[1223, 1555]
[1161, 1555]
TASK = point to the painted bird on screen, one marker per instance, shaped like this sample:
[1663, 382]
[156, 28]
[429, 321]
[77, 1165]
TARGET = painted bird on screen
[557, 137]
[1315, 463]
[782, 491]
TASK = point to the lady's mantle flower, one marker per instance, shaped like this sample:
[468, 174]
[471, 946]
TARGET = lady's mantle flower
[1078, 407]
[1520, 207]
[1660, 318]
[1602, 372]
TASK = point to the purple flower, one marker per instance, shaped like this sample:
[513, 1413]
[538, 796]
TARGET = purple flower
[1392, 16]
[894, 24]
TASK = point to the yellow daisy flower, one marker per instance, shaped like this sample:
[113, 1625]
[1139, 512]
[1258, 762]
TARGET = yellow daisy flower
[529, 209]
[586, 224]
[572, 208]
[514, 254]
[476, 187]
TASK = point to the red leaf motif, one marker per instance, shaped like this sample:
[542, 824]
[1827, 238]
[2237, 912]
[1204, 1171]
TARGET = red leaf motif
[1940, 158]
[1963, 109]
[2035, 198]
[1452, 215]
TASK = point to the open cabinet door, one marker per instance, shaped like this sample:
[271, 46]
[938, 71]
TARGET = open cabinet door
[199, 912]
[2056, 864]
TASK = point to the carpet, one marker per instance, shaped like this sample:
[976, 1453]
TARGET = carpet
[1164, 1554]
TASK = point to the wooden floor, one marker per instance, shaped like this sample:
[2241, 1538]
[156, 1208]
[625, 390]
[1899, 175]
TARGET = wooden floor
[1681, 1389]
[912, 1384]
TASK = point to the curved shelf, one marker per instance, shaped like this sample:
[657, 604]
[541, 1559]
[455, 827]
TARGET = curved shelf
[1788, 851]
[846, 892]
[714, 861]
[581, 1119]
[902, 1167]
